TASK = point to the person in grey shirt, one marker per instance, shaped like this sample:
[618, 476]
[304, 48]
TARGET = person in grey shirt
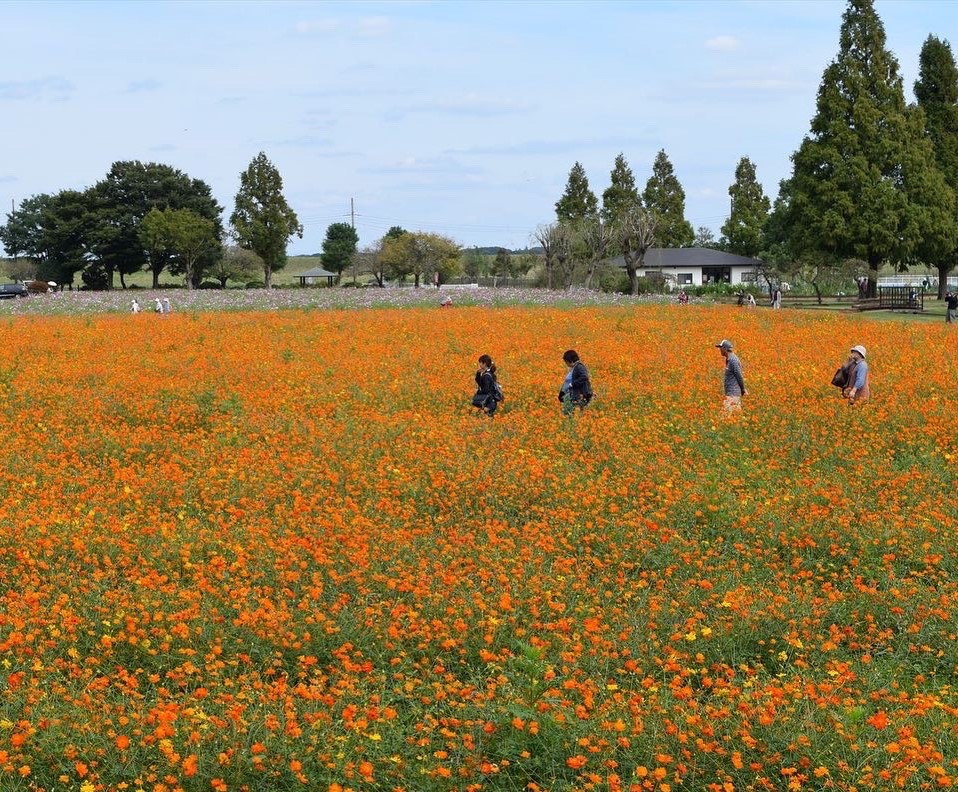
[734, 382]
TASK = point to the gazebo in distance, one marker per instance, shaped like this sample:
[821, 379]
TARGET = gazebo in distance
[312, 276]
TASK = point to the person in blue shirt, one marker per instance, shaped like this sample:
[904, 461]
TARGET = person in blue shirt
[859, 389]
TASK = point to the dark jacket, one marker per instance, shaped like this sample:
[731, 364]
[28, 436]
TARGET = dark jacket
[581, 389]
[485, 383]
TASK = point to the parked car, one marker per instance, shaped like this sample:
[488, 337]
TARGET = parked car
[10, 290]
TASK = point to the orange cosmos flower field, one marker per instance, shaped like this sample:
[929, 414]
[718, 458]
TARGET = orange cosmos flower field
[278, 551]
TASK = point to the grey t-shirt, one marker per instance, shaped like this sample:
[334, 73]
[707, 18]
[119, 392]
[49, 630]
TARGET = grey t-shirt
[734, 383]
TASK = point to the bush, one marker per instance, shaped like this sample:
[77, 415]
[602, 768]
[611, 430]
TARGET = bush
[615, 280]
[256, 285]
[210, 285]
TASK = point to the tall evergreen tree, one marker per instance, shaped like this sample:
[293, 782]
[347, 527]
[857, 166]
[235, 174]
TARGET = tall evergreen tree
[263, 221]
[665, 199]
[578, 202]
[622, 194]
[937, 92]
[864, 179]
[339, 246]
[743, 232]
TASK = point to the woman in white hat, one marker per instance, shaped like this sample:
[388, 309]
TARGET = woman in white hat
[858, 389]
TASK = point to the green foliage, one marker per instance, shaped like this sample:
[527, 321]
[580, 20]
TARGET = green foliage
[864, 179]
[578, 202]
[339, 246]
[705, 238]
[123, 199]
[421, 255]
[743, 232]
[621, 194]
[665, 199]
[236, 263]
[262, 219]
[937, 92]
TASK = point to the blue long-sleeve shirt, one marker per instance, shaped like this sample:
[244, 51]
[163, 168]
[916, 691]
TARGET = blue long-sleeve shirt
[861, 373]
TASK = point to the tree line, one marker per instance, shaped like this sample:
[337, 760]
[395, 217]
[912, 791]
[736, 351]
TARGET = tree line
[152, 217]
[873, 183]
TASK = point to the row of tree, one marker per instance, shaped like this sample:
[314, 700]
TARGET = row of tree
[873, 183]
[153, 217]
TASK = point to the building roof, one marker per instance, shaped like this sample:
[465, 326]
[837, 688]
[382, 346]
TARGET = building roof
[691, 257]
[317, 272]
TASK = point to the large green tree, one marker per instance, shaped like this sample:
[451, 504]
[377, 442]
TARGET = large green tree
[263, 221]
[421, 255]
[578, 203]
[743, 232]
[124, 197]
[937, 93]
[55, 232]
[621, 194]
[864, 182]
[339, 246]
[665, 200]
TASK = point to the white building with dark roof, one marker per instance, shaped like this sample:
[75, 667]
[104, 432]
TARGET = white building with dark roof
[696, 266]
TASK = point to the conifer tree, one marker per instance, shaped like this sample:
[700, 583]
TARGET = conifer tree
[743, 232]
[578, 202]
[665, 199]
[937, 92]
[864, 178]
[622, 193]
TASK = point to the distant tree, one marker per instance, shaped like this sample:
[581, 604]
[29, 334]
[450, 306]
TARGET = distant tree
[598, 239]
[68, 221]
[235, 263]
[339, 246]
[555, 241]
[937, 92]
[263, 220]
[474, 262]
[704, 238]
[192, 239]
[420, 254]
[502, 264]
[124, 197]
[622, 194]
[21, 269]
[22, 235]
[578, 202]
[665, 200]
[743, 232]
[154, 236]
[524, 262]
[864, 183]
[395, 231]
[634, 234]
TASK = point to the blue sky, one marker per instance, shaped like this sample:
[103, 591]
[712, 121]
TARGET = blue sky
[462, 118]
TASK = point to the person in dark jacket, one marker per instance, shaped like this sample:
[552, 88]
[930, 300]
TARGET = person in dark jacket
[577, 387]
[487, 394]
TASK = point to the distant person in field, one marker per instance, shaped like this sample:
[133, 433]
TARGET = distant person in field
[951, 306]
[683, 297]
[576, 388]
[777, 298]
[845, 375]
[734, 382]
[158, 306]
[858, 388]
[446, 302]
[488, 393]
[134, 306]
[751, 300]
[166, 305]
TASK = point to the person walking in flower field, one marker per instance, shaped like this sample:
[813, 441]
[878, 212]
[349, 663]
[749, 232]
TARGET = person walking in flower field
[858, 388]
[576, 388]
[734, 382]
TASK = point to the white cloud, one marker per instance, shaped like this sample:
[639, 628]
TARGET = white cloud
[723, 43]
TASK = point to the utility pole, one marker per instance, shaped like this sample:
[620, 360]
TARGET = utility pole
[352, 222]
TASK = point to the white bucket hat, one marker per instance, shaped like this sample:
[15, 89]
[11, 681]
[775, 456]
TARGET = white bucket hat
[859, 349]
